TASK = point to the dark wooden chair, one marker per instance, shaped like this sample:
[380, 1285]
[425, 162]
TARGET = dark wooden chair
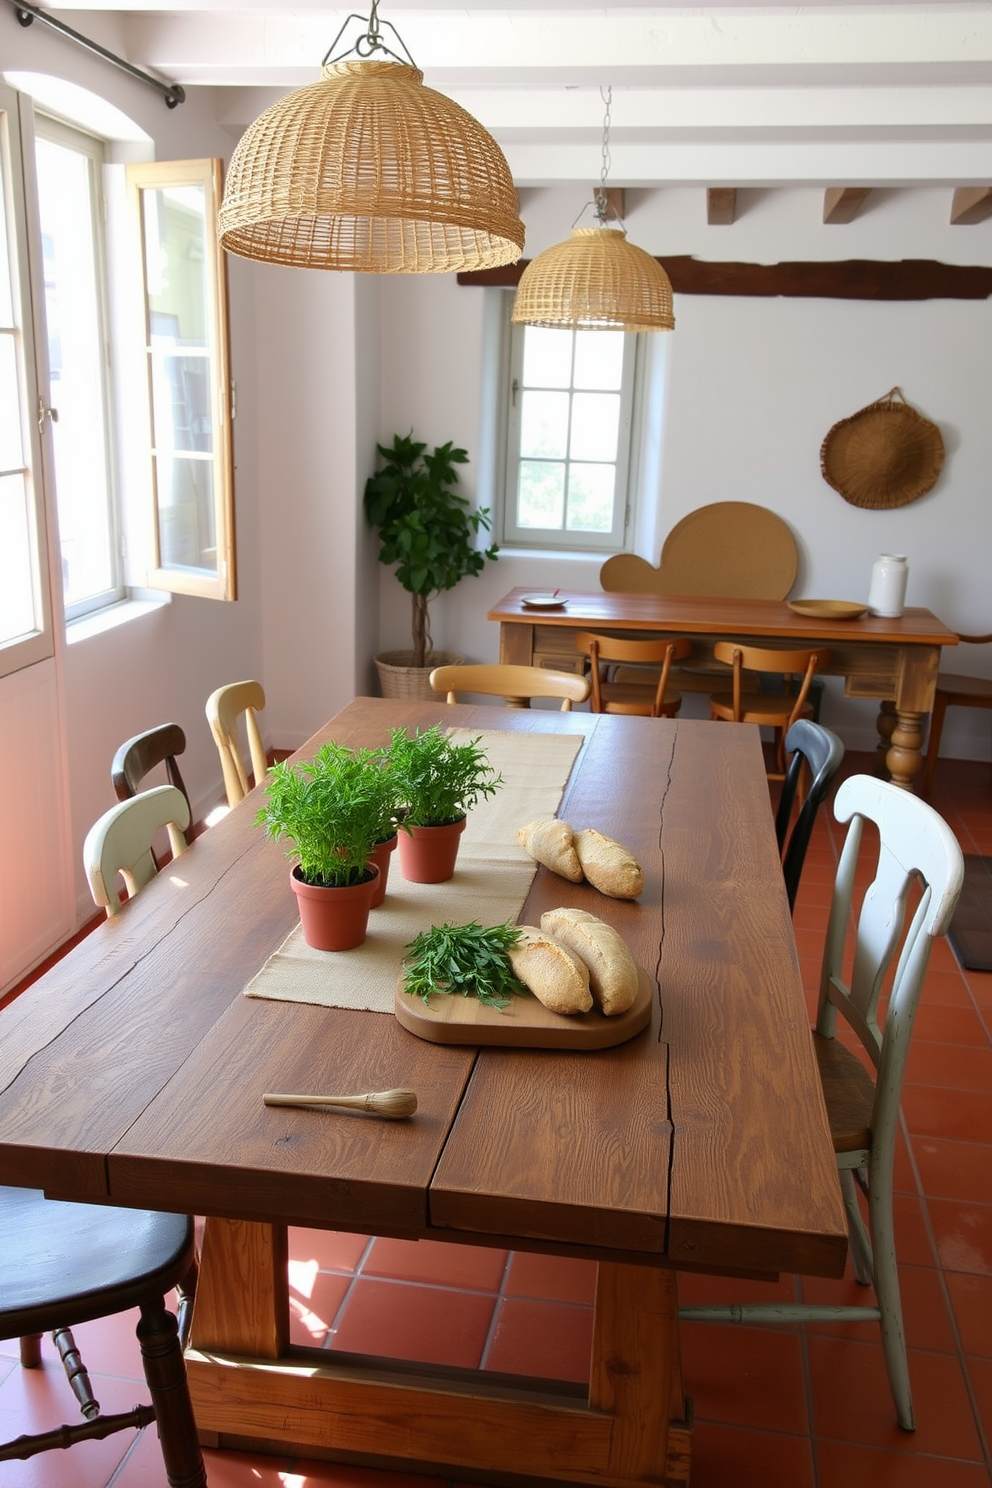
[954, 691]
[817, 754]
[64, 1264]
[650, 698]
[137, 757]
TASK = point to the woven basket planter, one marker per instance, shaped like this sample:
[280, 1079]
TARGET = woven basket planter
[399, 678]
[886, 455]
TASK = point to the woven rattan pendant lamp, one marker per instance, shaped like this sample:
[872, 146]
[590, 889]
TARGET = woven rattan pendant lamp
[368, 170]
[596, 280]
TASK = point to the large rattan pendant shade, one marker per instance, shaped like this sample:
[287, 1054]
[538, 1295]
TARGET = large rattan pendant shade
[595, 280]
[370, 171]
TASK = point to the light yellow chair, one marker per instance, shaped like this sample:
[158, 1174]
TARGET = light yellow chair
[515, 684]
[119, 845]
[649, 697]
[774, 710]
[224, 708]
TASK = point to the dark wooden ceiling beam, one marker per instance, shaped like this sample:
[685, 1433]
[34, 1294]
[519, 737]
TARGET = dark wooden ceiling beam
[841, 204]
[847, 279]
[721, 205]
[971, 204]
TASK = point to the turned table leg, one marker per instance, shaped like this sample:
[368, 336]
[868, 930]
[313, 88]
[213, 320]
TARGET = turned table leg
[905, 756]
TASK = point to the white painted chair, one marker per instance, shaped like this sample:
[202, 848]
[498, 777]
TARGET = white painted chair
[918, 853]
[224, 708]
[119, 845]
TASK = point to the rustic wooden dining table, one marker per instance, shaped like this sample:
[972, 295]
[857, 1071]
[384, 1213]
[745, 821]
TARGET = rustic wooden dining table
[894, 660]
[133, 1073]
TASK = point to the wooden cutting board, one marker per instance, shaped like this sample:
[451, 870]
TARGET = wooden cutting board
[524, 1023]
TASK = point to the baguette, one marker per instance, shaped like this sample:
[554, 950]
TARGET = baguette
[608, 865]
[613, 974]
[555, 975]
[552, 843]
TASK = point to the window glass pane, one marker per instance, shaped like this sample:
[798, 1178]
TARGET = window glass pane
[590, 497]
[595, 425]
[6, 291]
[185, 499]
[541, 494]
[17, 603]
[599, 359]
[76, 368]
[544, 425]
[11, 447]
[547, 358]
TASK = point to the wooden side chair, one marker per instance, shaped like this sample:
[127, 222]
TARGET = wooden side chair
[137, 757]
[517, 685]
[774, 710]
[224, 708]
[918, 854]
[816, 753]
[652, 698]
[954, 691]
[119, 845]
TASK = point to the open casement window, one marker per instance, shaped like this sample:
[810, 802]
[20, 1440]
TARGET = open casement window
[26, 635]
[189, 388]
[568, 435]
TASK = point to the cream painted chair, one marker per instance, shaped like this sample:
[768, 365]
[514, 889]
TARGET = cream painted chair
[517, 685]
[224, 708]
[119, 845]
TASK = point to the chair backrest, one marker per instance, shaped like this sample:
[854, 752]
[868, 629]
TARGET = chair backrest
[802, 664]
[727, 550]
[602, 649]
[224, 708]
[916, 846]
[515, 684]
[820, 751]
[121, 843]
[138, 756]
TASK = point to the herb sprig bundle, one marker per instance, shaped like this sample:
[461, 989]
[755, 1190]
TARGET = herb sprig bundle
[466, 959]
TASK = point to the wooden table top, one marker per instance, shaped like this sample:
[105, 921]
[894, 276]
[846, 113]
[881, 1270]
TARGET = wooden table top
[696, 615]
[134, 1069]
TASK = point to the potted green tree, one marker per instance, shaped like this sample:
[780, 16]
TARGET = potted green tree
[438, 781]
[429, 532]
[334, 809]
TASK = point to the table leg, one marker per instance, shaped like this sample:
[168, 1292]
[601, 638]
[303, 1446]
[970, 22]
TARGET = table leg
[905, 756]
[242, 1293]
[884, 727]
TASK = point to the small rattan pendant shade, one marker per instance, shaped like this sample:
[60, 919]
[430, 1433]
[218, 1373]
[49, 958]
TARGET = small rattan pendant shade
[370, 171]
[595, 279]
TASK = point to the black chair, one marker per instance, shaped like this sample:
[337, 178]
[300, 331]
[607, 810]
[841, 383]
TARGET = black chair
[817, 749]
[63, 1264]
[138, 756]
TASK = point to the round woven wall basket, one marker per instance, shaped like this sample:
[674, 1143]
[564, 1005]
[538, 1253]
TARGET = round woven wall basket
[399, 678]
[886, 455]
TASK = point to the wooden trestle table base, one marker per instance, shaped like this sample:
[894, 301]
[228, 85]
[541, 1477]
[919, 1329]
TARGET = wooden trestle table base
[133, 1073]
[895, 661]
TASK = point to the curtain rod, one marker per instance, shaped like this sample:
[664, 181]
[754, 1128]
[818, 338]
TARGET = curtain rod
[173, 93]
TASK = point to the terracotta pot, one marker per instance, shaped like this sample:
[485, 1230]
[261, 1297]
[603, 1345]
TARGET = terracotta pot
[427, 854]
[334, 919]
[380, 857]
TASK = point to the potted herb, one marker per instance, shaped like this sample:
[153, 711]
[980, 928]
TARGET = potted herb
[429, 532]
[334, 809]
[438, 781]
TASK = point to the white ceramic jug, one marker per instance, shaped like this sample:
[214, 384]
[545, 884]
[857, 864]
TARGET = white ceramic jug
[888, 585]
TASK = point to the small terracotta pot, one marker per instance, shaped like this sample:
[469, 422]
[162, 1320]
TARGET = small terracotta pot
[428, 854]
[334, 919]
[380, 857]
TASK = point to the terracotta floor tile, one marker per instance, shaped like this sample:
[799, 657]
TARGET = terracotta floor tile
[852, 1402]
[434, 1261]
[841, 1465]
[34, 1400]
[553, 1278]
[725, 1455]
[924, 1305]
[945, 989]
[980, 987]
[332, 1250]
[549, 1340]
[963, 1233]
[954, 1170]
[699, 1290]
[953, 1066]
[948, 1024]
[745, 1376]
[312, 1315]
[971, 1299]
[429, 1324]
[964, 1116]
[913, 1246]
[143, 1469]
[980, 1375]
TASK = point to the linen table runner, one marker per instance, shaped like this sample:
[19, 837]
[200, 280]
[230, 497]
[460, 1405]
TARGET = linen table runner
[492, 879]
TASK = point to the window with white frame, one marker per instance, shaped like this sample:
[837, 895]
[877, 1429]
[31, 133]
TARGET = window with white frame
[569, 406]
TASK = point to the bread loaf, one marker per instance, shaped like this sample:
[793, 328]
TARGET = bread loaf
[555, 975]
[608, 865]
[613, 975]
[551, 842]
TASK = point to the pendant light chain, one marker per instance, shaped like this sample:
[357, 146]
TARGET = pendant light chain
[607, 96]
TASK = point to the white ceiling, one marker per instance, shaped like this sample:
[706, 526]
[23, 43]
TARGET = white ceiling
[728, 93]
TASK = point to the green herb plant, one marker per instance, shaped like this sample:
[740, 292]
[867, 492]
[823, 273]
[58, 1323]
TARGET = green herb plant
[334, 808]
[424, 526]
[437, 780]
[465, 959]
